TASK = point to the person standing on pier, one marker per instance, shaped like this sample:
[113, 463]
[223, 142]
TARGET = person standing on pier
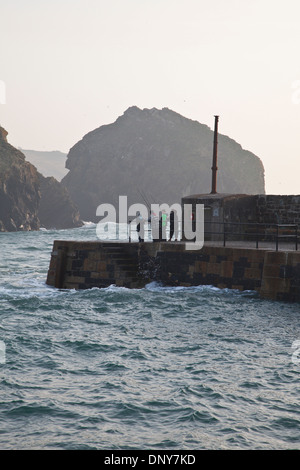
[173, 225]
[140, 227]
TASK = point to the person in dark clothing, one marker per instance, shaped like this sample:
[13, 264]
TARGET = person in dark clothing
[140, 227]
[173, 225]
[163, 217]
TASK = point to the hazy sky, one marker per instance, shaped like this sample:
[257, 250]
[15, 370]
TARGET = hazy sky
[70, 66]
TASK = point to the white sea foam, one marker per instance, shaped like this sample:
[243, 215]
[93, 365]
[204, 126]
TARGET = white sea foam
[2, 352]
[194, 366]
[88, 224]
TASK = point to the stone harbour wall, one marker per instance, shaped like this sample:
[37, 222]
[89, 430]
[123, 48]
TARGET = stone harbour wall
[277, 209]
[83, 265]
[281, 276]
[218, 266]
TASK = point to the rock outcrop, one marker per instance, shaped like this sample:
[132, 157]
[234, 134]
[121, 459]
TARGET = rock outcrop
[19, 190]
[158, 156]
[56, 209]
[28, 200]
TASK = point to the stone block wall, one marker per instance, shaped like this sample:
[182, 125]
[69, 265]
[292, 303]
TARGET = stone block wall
[242, 213]
[281, 276]
[218, 266]
[276, 209]
[83, 265]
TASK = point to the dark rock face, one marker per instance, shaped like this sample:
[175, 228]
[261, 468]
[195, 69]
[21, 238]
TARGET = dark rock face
[28, 200]
[158, 156]
[56, 209]
[19, 190]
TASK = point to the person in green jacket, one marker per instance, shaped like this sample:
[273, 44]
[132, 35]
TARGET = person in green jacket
[163, 226]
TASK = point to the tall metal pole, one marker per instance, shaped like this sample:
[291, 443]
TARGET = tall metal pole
[215, 158]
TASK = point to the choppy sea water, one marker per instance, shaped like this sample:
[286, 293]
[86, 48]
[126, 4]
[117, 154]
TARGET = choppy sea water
[154, 368]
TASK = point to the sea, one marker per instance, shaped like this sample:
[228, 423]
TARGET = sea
[162, 368]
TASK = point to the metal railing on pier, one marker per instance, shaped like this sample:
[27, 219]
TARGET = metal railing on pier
[261, 234]
[256, 235]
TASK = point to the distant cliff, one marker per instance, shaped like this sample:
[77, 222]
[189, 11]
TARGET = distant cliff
[19, 189]
[48, 163]
[28, 200]
[56, 209]
[158, 156]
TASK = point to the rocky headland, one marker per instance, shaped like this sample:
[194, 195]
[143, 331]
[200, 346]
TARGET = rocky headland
[28, 200]
[19, 189]
[56, 208]
[157, 155]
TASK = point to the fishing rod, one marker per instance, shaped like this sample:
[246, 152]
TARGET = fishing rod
[145, 199]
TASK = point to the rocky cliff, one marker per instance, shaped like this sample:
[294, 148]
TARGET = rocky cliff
[157, 155]
[19, 189]
[56, 209]
[28, 200]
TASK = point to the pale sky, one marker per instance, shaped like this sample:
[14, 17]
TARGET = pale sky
[70, 66]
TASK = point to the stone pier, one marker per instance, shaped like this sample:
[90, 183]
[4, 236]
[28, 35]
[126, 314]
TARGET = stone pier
[82, 265]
